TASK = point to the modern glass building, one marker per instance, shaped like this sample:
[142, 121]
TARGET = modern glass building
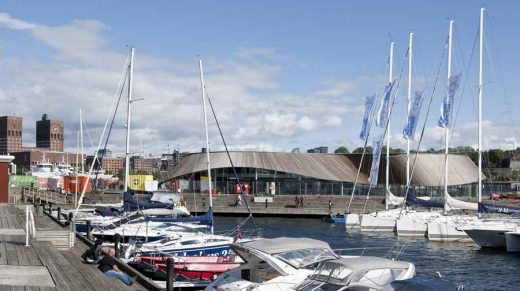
[268, 173]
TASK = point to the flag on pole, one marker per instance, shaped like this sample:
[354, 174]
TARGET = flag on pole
[447, 105]
[369, 104]
[384, 108]
[413, 115]
[376, 158]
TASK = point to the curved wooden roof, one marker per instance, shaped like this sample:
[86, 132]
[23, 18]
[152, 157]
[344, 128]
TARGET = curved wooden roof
[429, 169]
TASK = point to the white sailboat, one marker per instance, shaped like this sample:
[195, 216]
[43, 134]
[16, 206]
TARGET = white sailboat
[492, 233]
[446, 228]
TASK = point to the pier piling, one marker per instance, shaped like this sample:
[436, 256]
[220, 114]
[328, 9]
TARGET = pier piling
[169, 274]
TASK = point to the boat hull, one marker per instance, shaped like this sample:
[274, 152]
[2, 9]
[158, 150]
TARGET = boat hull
[370, 223]
[218, 250]
[488, 238]
[513, 242]
[352, 221]
[446, 232]
[411, 227]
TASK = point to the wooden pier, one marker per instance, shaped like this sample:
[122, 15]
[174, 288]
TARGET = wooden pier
[41, 265]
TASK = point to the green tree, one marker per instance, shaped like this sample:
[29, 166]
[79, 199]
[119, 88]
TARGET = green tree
[341, 150]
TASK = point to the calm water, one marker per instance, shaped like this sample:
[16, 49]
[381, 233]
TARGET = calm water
[462, 263]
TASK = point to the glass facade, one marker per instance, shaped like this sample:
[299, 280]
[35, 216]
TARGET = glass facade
[265, 182]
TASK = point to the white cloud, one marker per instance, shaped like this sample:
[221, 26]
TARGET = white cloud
[7, 21]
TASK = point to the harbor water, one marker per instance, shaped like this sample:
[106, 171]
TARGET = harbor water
[462, 263]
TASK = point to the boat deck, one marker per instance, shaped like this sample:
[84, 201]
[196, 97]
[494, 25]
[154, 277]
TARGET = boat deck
[42, 266]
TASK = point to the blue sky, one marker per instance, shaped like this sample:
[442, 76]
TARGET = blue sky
[283, 74]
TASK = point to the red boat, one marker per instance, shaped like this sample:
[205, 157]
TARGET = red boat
[204, 267]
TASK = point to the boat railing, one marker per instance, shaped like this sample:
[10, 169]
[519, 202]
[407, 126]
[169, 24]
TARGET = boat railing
[391, 253]
[250, 233]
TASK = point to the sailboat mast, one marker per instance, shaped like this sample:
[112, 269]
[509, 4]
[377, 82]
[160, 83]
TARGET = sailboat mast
[410, 57]
[203, 89]
[77, 169]
[81, 139]
[128, 117]
[447, 128]
[387, 170]
[481, 32]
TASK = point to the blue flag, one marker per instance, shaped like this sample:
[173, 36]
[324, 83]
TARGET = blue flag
[384, 108]
[369, 104]
[447, 105]
[376, 158]
[413, 116]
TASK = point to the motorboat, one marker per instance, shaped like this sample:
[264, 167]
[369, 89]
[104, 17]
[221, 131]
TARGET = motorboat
[335, 219]
[186, 244]
[281, 262]
[357, 273]
[491, 234]
[141, 230]
[195, 267]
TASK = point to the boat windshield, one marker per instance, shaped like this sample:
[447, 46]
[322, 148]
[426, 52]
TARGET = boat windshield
[306, 257]
[331, 271]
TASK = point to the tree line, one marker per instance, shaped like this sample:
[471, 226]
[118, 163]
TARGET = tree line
[493, 158]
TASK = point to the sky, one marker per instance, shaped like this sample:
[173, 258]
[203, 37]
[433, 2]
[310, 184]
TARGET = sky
[281, 74]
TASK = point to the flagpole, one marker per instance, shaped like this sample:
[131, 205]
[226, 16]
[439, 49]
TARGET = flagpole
[387, 172]
[447, 128]
[410, 51]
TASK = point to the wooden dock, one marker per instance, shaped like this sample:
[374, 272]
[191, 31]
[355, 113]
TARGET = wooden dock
[42, 266]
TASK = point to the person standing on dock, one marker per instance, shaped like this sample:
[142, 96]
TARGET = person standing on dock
[109, 268]
[301, 201]
[296, 201]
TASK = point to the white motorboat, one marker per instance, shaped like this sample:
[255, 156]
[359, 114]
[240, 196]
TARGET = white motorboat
[280, 263]
[141, 230]
[306, 264]
[491, 234]
[187, 244]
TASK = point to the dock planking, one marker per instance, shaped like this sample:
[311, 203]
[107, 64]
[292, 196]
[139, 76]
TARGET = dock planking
[66, 268]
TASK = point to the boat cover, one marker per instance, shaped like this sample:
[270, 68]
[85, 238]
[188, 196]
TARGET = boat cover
[452, 203]
[206, 219]
[412, 200]
[130, 204]
[394, 200]
[284, 244]
[496, 208]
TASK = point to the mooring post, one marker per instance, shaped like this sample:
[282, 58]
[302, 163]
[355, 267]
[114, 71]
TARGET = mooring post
[169, 274]
[50, 208]
[71, 215]
[59, 213]
[89, 228]
[117, 239]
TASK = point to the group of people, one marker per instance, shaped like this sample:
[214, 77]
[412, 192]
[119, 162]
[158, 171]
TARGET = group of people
[298, 200]
[107, 263]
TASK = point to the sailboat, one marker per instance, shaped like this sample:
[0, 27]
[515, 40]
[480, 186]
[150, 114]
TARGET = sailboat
[494, 232]
[383, 221]
[447, 227]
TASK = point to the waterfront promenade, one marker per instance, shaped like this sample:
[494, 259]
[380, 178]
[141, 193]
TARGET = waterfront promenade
[42, 265]
[281, 205]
